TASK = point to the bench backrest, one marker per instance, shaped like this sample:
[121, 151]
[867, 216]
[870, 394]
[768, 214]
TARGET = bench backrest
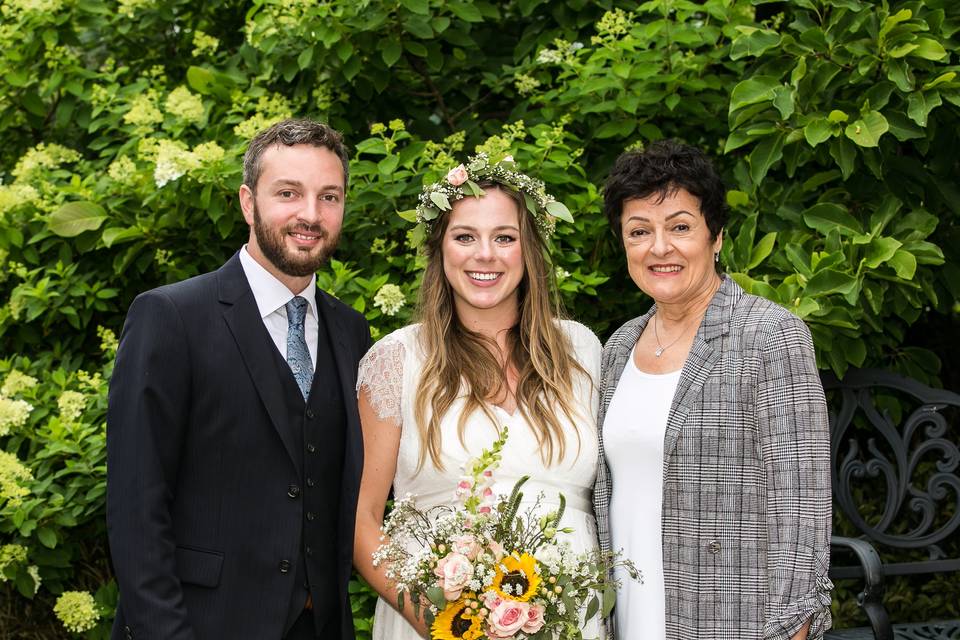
[895, 456]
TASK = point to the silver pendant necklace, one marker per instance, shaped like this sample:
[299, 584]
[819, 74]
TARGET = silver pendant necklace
[656, 334]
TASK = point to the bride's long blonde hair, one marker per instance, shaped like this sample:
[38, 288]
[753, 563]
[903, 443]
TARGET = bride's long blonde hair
[462, 361]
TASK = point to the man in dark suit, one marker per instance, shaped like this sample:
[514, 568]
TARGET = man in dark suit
[233, 441]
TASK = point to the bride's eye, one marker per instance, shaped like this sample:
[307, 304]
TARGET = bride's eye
[463, 237]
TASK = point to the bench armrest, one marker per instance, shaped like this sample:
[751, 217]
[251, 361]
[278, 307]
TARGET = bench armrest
[871, 598]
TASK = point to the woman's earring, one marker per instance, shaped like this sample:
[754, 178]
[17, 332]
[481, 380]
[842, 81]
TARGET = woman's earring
[716, 257]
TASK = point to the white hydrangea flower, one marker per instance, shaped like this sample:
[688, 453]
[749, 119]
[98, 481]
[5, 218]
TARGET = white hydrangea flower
[184, 105]
[389, 299]
[77, 610]
[71, 404]
[15, 382]
[13, 414]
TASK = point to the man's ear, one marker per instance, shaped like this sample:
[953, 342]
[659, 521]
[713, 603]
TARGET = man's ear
[247, 203]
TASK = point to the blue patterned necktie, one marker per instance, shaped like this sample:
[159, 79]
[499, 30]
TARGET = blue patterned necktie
[298, 356]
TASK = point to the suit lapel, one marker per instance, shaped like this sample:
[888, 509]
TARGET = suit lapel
[243, 318]
[704, 353]
[346, 368]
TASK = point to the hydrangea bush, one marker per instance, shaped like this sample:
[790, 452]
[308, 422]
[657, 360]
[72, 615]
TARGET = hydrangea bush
[835, 123]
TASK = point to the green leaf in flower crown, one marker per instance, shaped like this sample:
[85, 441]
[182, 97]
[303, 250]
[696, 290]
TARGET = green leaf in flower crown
[410, 215]
[74, 218]
[474, 189]
[559, 210]
[442, 202]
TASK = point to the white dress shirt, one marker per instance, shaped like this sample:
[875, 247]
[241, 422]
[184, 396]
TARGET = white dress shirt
[272, 296]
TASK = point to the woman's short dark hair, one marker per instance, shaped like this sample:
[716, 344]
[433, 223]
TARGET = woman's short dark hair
[661, 169]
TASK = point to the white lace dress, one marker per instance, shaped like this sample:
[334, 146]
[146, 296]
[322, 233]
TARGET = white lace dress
[391, 372]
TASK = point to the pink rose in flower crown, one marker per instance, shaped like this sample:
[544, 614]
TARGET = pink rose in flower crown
[507, 618]
[454, 571]
[534, 620]
[458, 175]
[496, 549]
[466, 545]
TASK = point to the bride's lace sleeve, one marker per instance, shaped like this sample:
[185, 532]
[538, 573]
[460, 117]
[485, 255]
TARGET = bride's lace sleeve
[381, 378]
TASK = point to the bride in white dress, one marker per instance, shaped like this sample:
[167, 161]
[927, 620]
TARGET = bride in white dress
[488, 353]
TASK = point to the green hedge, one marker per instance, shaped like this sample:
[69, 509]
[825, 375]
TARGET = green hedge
[835, 122]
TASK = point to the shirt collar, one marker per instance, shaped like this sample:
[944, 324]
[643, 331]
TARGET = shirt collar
[269, 293]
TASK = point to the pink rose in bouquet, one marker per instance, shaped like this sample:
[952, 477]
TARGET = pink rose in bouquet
[454, 571]
[534, 620]
[507, 618]
[466, 545]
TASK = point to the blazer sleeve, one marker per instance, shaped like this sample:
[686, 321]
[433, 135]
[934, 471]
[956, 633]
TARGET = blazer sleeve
[795, 445]
[147, 419]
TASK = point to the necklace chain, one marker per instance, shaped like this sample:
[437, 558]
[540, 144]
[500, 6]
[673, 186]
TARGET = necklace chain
[656, 334]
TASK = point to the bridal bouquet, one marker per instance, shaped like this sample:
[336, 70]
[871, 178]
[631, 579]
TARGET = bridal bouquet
[482, 569]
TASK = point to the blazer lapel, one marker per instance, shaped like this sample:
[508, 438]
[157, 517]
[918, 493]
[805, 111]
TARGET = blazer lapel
[346, 368]
[703, 355]
[243, 318]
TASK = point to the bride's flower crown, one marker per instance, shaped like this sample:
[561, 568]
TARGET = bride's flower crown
[463, 180]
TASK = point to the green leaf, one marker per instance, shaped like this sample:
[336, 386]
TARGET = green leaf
[837, 116]
[817, 130]
[752, 91]
[879, 251]
[410, 215]
[560, 211]
[465, 11]
[784, 101]
[764, 156]
[439, 199]
[613, 128]
[435, 596]
[904, 263]
[305, 58]
[753, 42]
[74, 218]
[828, 216]
[867, 130]
[417, 6]
[391, 52]
[891, 21]
[117, 235]
[609, 599]
[737, 198]
[762, 250]
[47, 537]
[388, 165]
[592, 608]
[827, 281]
[941, 79]
[920, 104]
[929, 49]
[844, 154]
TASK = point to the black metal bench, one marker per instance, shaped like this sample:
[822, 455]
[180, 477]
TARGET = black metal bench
[895, 454]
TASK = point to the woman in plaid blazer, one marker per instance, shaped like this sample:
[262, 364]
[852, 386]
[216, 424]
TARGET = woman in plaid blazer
[714, 443]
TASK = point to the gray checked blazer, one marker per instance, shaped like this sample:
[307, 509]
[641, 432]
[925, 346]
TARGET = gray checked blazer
[746, 475]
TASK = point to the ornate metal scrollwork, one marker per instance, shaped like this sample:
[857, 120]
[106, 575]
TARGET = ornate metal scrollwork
[915, 462]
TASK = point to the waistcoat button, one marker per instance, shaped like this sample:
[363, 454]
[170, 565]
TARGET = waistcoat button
[284, 566]
[713, 546]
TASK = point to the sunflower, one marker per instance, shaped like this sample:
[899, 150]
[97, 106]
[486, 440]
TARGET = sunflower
[519, 573]
[454, 624]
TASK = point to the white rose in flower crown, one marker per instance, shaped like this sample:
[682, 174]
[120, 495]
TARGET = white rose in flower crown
[458, 175]
[535, 619]
[507, 618]
[454, 571]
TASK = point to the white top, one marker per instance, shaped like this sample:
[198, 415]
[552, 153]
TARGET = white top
[633, 434]
[390, 373]
[272, 296]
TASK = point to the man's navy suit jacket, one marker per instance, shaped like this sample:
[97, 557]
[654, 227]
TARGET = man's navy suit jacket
[200, 523]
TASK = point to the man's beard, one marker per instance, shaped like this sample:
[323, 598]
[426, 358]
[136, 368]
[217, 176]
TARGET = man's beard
[294, 263]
